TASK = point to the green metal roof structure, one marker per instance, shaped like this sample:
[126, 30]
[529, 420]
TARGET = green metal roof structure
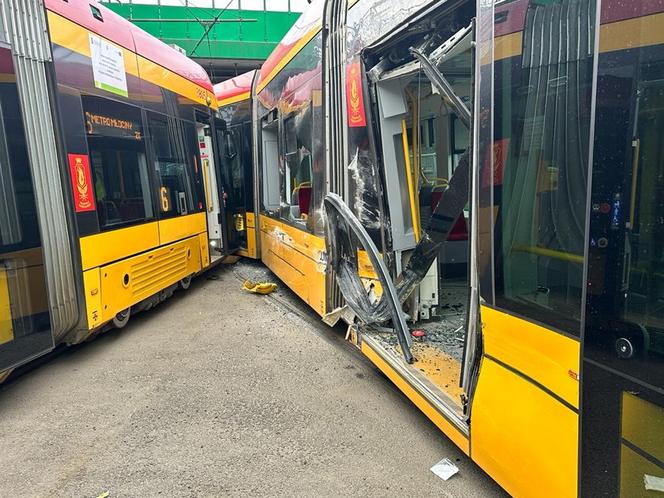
[226, 41]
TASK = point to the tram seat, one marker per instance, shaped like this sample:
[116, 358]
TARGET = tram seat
[304, 199]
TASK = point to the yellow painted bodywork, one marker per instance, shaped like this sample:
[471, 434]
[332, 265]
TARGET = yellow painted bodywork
[106, 247]
[547, 357]
[6, 324]
[93, 304]
[367, 273]
[147, 274]
[181, 227]
[74, 37]
[523, 437]
[150, 254]
[295, 256]
[441, 422]
[204, 247]
[250, 251]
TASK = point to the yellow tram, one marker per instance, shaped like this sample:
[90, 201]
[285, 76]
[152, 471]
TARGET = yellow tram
[109, 185]
[474, 187]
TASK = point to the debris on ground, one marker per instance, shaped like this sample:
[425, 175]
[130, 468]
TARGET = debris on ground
[259, 287]
[445, 469]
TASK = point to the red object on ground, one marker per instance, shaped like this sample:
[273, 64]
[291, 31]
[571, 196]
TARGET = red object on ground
[417, 333]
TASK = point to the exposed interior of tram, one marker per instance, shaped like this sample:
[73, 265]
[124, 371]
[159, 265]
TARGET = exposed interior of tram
[423, 133]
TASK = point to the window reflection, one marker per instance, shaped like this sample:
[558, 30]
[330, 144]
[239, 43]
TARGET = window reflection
[540, 156]
[117, 159]
[170, 155]
[625, 326]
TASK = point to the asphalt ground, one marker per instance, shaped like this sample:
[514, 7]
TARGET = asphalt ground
[219, 392]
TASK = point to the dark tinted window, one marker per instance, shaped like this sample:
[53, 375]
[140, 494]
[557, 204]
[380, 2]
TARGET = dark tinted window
[625, 325]
[174, 163]
[540, 154]
[118, 164]
[24, 312]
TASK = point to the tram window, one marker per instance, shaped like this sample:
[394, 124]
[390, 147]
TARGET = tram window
[460, 141]
[196, 173]
[117, 159]
[296, 174]
[18, 211]
[625, 317]
[167, 136]
[10, 224]
[540, 154]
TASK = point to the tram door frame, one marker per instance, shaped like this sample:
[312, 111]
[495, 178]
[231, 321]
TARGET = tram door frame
[213, 206]
[26, 329]
[229, 220]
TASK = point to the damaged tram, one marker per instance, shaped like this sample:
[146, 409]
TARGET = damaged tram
[474, 187]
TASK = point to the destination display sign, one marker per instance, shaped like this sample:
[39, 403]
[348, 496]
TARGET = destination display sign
[112, 126]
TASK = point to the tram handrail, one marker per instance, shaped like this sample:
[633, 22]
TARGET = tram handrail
[549, 253]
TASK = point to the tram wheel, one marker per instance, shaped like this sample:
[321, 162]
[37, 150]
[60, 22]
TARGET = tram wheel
[624, 348]
[185, 283]
[122, 318]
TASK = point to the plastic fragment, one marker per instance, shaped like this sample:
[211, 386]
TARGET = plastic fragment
[445, 469]
[418, 333]
[259, 287]
[105, 494]
[653, 483]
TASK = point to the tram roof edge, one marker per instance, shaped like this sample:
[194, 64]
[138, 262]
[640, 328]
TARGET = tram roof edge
[129, 36]
[234, 89]
[305, 28]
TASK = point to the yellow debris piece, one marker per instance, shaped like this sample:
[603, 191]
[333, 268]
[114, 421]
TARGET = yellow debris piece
[259, 287]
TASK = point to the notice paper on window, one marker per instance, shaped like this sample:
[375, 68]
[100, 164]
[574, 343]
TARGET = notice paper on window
[108, 66]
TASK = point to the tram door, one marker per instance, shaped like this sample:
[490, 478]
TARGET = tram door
[212, 192]
[25, 329]
[232, 150]
[623, 370]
